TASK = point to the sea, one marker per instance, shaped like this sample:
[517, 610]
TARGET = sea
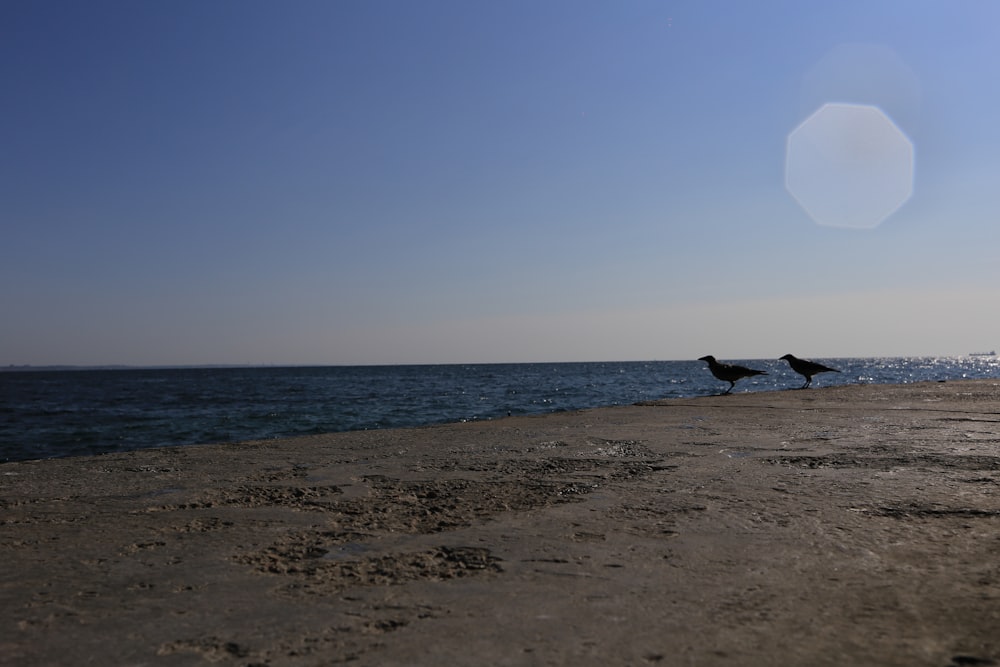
[47, 413]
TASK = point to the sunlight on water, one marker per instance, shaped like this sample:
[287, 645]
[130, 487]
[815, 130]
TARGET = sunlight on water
[62, 413]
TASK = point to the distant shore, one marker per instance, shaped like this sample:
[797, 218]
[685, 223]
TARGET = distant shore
[847, 525]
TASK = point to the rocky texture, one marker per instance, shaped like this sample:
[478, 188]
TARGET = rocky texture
[850, 525]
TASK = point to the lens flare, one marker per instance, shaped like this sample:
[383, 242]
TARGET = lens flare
[849, 165]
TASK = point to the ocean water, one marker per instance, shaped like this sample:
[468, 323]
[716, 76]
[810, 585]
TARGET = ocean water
[54, 413]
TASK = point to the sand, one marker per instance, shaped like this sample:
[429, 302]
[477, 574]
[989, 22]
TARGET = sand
[854, 525]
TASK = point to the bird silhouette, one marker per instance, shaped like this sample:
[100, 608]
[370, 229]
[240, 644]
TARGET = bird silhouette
[729, 372]
[807, 368]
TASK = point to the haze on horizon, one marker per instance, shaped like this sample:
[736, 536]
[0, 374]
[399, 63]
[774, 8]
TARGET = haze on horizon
[250, 182]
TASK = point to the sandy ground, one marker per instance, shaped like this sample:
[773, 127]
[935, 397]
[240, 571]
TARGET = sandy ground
[843, 526]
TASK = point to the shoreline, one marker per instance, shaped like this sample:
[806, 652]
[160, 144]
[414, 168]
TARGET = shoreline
[71, 414]
[855, 524]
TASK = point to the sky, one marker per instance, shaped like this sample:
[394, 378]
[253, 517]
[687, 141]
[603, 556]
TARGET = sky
[463, 181]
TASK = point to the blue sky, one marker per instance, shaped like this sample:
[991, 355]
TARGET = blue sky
[348, 182]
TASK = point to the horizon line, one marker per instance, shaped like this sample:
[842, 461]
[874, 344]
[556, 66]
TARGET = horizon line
[67, 367]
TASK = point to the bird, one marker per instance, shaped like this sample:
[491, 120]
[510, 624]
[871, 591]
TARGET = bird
[807, 368]
[729, 372]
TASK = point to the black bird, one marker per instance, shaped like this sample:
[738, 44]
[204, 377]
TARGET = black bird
[807, 368]
[729, 372]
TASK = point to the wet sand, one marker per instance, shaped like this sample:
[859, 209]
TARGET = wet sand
[843, 526]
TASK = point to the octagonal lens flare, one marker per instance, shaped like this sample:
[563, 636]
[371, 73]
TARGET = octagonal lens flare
[849, 165]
